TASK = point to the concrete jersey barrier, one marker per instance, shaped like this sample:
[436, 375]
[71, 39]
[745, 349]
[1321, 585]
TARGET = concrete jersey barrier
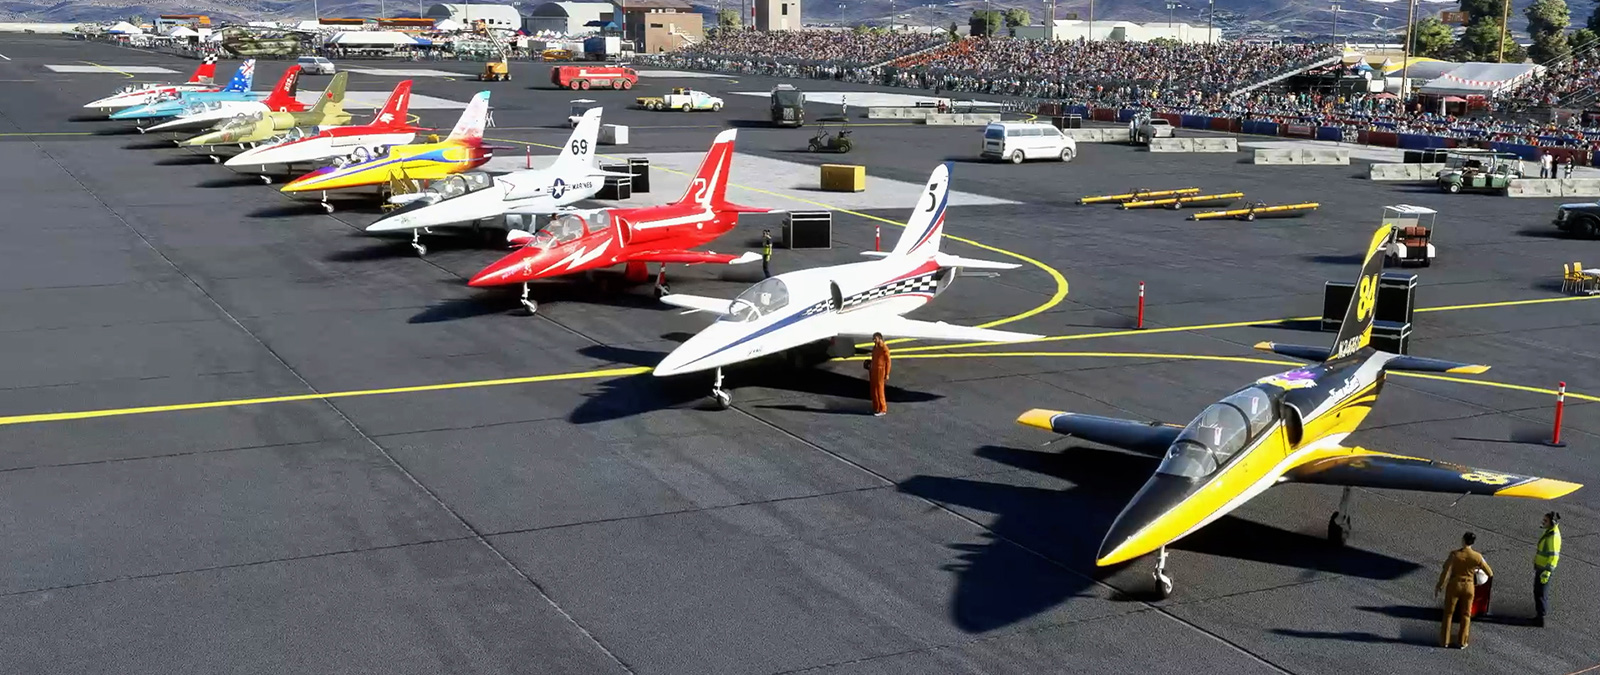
[1403, 172]
[1216, 145]
[1277, 156]
[1171, 145]
[957, 119]
[1322, 157]
[1580, 187]
[1089, 135]
[1534, 187]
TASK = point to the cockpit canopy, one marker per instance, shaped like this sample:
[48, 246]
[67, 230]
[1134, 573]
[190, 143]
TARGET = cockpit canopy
[569, 227]
[1219, 433]
[758, 301]
[462, 183]
[168, 96]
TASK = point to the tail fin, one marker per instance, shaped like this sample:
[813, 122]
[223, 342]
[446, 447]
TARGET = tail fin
[580, 147]
[709, 188]
[1355, 331]
[282, 97]
[395, 111]
[244, 78]
[473, 119]
[926, 227]
[207, 72]
[331, 102]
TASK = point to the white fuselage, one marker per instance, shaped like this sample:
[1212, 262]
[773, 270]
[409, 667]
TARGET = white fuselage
[891, 286]
[535, 192]
[317, 148]
[144, 95]
[224, 111]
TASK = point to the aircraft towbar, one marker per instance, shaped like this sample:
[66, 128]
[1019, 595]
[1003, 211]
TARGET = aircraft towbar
[1137, 194]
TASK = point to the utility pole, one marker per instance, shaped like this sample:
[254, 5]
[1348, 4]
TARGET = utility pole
[1172, 8]
[1405, 66]
[1091, 20]
[1505, 17]
[1211, 18]
[1336, 22]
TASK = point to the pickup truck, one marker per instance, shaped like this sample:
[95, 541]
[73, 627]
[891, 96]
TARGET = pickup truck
[1582, 219]
[681, 99]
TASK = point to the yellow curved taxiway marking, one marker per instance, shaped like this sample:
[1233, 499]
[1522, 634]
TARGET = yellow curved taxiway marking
[235, 403]
[106, 68]
[1055, 299]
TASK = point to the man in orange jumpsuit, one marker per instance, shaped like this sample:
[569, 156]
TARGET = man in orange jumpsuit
[878, 375]
[1457, 582]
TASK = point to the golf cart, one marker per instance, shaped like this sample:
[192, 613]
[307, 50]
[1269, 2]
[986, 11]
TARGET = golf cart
[579, 107]
[1412, 243]
[826, 142]
[1478, 169]
[788, 106]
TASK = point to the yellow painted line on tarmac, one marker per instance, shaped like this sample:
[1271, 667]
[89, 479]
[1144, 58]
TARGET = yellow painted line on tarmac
[107, 68]
[1096, 355]
[235, 403]
[1055, 275]
[49, 133]
[1497, 385]
[1508, 303]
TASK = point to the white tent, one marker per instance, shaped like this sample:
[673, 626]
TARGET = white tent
[125, 27]
[1480, 79]
[182, 32]
[371, 39]
[308, 25]
[446, 25]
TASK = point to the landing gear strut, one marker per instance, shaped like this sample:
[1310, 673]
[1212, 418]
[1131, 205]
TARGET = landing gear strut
[661, 288]
[416, 243]
[325, 205]
[719, 395]
[533, 307]
[1163, 582]
[1339, 523]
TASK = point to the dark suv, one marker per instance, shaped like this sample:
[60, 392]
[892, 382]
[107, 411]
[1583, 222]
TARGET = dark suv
[1582, 219]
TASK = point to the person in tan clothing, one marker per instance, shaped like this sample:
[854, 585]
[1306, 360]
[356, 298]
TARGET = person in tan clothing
[1457, 582]
[878, 374]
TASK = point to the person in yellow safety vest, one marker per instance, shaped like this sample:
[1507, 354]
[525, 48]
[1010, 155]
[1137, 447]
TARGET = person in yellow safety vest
[1545, 559]
[766, 253]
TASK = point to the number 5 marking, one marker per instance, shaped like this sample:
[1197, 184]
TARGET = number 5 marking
[933, 197]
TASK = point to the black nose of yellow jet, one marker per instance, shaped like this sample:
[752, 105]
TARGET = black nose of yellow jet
[1150, 520]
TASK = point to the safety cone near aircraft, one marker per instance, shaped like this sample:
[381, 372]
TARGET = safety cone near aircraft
[203, 79]
[1287, 427]
[850, 301]
[474, 196]
[301, 146]
[263, 125]
[585, 240]
[462, 151]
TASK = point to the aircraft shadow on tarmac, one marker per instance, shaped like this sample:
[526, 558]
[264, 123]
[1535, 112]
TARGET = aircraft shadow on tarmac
[184, 160]
[233, 181]
[1327, 259]
[637, 394]
[1067, 526]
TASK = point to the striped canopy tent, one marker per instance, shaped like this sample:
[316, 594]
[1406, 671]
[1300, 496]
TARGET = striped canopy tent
[1480, 79]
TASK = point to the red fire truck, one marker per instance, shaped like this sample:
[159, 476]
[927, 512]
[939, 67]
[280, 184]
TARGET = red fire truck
[598, 77]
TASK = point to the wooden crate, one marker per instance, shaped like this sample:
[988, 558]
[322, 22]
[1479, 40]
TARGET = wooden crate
[844, 178]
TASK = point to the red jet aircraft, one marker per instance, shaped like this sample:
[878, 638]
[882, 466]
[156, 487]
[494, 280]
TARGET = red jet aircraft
[586, 240]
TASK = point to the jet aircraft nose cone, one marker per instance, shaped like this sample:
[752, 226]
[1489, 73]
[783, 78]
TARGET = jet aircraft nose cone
[508, 270]
[1148, 522]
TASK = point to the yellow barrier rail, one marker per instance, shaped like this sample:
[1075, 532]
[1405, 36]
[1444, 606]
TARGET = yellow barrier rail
[1137, 194]
[1178, 202]
[1280, 211]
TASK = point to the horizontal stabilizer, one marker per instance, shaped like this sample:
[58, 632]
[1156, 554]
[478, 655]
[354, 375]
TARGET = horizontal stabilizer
[698, 303]
[1149, 438]
[692, 257]
[901, 327]
[1296, 351]
[947, 260]
[1418, 364]
[875, 254]
[1370, 469]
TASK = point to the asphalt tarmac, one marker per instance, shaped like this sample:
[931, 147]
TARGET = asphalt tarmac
[589, 517]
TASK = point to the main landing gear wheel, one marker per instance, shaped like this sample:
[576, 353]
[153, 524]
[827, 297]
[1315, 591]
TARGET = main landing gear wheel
[265, 179]
[721, 397]
[1163, 582]
[661, 282]
[327, 207]
[533, 306]
[1339, 523]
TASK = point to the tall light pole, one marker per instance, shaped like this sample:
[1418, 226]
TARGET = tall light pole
[1172, 8]
[1405, 66]
[1336, 22]
[1091, 20]
[1505, 17]
[1211, 18]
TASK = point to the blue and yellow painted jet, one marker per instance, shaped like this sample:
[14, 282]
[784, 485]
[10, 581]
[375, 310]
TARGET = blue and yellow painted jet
[462, 151]
[171, 104]
[1282, 428]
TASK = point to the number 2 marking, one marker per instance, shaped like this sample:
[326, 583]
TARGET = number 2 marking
[700, 190]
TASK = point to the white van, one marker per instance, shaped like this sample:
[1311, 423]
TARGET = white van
[1017, 141]
[315, 65]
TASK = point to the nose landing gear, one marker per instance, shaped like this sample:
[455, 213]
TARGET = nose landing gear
[722, 398]
[1339, 523]
[533, 306]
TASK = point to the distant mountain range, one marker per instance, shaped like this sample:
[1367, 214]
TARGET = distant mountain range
[1286, 19]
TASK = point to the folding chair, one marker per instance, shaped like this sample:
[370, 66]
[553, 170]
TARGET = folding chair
[1568, 279]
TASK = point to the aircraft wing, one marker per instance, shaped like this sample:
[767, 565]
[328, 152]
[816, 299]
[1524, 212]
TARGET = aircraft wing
[1146, 438]
[1370, 469]
[691, 257]
[901, 327]
[699, 303]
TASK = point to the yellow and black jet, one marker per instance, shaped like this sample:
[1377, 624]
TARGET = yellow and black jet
[1286, 427]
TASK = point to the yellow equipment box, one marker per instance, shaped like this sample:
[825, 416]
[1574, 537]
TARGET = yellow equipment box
[844, 178]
